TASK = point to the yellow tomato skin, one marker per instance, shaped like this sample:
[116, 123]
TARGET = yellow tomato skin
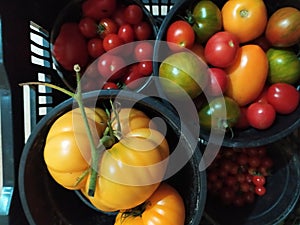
[247, 19]
[130, 171]
[130, 119]
[67, 149]
[164, 207]
[247, 75]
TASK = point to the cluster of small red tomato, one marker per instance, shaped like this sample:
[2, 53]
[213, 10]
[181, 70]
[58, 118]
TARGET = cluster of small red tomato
[258, 108]
[106, 26]
[238, 176]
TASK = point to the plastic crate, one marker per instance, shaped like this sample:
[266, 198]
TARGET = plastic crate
[26, 27]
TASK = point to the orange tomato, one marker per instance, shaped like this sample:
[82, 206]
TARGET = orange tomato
[247, 19]
[247, 75]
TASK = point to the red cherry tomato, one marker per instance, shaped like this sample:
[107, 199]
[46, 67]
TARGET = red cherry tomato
[107, 26]
[98, 9]
[111, 67]
[221, 49]
[258, 180]
[133, 78]
[133, 14]
[260, 190]
[126, 33]
[110, 86]
[180, 34]
[283, 97]
[261, 115]
[95, 47]
[145, 68]
[118, 15]
[143, 51]
[218, 82]
[112, 41]
[142, 30]
[88, 27]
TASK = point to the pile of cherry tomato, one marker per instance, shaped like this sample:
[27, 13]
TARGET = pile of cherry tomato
[93, 41]
[252, 56]
[237, 176]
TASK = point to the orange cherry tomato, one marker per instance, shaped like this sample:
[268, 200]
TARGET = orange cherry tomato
[247, 75]
[245, 18]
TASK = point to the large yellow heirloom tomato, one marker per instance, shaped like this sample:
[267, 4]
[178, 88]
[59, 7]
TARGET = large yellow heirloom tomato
[164, 207]
[130, 171]
[67, 151]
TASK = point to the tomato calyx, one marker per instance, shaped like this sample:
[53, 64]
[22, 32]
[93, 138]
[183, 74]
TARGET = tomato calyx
[136, 211]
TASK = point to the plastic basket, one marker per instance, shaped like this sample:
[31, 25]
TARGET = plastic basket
[26, 27]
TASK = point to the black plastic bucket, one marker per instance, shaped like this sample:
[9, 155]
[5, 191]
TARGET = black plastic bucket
[250, 137]
[46, 203]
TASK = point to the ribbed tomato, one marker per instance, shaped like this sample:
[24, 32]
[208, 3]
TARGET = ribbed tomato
[246, 19]
[67, 150]
[164, 207]
[247, 75]
[130, 171]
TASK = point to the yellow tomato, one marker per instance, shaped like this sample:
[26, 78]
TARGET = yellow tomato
[130, 171]
[247, 75]
[164, 207]
[67, 150]
[247, 19]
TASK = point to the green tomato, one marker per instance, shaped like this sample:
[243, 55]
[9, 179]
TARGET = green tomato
[183, 73]
[207, 20]
[284, 66]
[220, 113]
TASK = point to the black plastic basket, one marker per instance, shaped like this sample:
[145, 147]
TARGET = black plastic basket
[26, 27]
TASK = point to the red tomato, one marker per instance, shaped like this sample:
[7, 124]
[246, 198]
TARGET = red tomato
[145, 68]
[260, 190]
[132, 78]
[112, 41]
[181, 34]
[118, 15]
[111, 67]
[110, 85]
[261, 115]
[221, 49]
[88, 27]
[143, 51]
[142, 30]
[258, 180]
[133, 14]
[95, 47]
[242, 121]
[70, 47]
[283, 97]
[262, 96]
[126, 33]
[107, 26]
[218, 82]
[98, 9]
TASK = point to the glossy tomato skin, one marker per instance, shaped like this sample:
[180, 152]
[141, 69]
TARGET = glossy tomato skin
[220, 113]
[135, 154]
[247, 19]
[126, 33]
[221, 44]
[164, 207]
[247, 75]
[98, 9]
[283, 97]
[180, 34]
[107, 26]
[111, 67]
[261, 115]
[207, 20]
[133, 14]
[183, 72]
[88, 27]
[95, 47]
[112, 41]
[67, 149]
[70, 47]
[284, 66]
[143, 51]
[283, 28]
[142, 30]
[218, 82]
